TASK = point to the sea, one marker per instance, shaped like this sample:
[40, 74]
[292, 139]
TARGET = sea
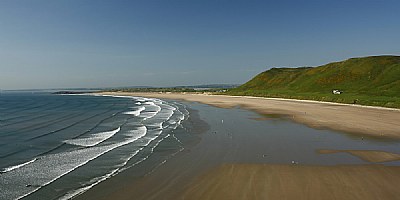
[59, 146]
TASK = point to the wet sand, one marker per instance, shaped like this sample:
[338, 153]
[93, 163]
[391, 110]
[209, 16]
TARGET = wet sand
[245, 156]
[367, 155]
[249, 181]
[361, 120]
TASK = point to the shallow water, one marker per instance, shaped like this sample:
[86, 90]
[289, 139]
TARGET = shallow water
[57, 146]
[279, 140]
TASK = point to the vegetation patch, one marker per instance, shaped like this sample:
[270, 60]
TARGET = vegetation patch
[371, 81]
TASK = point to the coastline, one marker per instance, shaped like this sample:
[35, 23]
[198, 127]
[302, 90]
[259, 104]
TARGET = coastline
[277, 159]
[368, 121]
[167, 181]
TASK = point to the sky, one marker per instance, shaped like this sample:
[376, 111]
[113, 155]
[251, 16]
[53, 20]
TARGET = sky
[114, 43]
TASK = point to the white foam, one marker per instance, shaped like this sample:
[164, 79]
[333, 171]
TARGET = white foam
[140, 132]
[51, 167]
[157, 133]
[100, 179]
[139, 99]
[153, 110]
[94, 139]
[135, 134]
[150, 104]
[8, 169]
[135, 112]
[93, 182]
[165, 115]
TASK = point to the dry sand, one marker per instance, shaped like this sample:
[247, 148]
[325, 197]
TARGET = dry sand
[364, 120]
[252, 181]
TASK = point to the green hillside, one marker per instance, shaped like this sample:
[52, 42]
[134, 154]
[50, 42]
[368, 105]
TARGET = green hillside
[371, 80]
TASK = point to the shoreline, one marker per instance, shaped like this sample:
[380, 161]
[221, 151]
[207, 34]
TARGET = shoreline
[168, 180]
[277, 159]
[369, 121]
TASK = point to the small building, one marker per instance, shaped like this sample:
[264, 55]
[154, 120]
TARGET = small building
[337, 92]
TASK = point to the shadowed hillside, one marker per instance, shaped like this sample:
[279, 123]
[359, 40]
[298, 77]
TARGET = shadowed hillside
[371, 80]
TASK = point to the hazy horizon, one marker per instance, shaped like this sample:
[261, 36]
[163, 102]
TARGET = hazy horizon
[115, 87]
[93, 44]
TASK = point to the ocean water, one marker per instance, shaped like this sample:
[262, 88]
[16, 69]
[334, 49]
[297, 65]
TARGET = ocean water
[59, 146]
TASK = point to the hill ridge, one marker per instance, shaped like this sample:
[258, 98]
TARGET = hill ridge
[372, 80]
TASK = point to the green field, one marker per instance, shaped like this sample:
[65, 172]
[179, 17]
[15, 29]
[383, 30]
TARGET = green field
[371, 80]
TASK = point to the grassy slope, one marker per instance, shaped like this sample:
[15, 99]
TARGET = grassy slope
[372, 80]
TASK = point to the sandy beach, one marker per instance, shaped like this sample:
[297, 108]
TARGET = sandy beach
[361, 120]
[251, 156]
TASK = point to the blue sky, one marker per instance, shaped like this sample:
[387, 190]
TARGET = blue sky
[82, 43]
